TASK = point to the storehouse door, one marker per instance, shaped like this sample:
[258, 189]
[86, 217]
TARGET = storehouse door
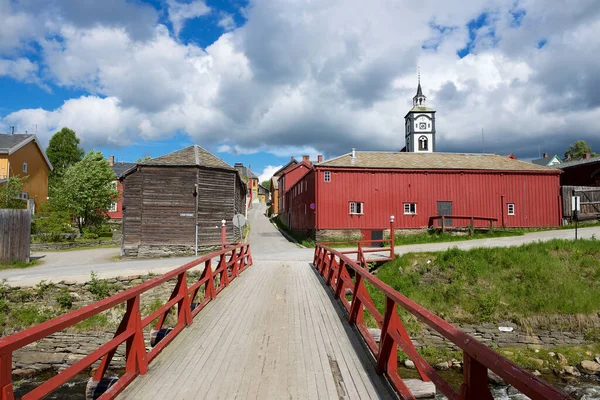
[444, 208]
[377, 235]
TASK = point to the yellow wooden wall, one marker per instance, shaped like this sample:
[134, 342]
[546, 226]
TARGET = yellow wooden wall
[3, 166]
[36, 183]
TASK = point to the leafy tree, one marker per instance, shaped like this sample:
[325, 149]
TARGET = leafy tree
[86, 190]
[63, 151]
[266, 184]
[579, 149]
[142, 159]
[10, 191]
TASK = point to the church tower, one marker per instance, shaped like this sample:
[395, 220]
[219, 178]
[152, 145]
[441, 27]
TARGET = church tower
[420, 125]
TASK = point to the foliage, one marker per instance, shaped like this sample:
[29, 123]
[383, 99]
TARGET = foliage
[90, 235]
[51, 225]
[63, 151]
[99, 287]
[95, 321]
[142, 159]
[18, 264]
[10, 191]
[579, 149]
[43, 287]
[266, 184]
[86, 190]
[64, 299]
[559, 277]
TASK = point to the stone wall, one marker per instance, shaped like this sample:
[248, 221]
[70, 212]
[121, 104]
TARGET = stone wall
[154, 251]
[70, 245]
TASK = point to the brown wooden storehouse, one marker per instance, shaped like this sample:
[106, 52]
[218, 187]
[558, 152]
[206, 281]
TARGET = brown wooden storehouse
[166, 197]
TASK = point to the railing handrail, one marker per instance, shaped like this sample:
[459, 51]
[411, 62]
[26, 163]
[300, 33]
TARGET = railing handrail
[474, 351]
[464, 217]
[132, 324]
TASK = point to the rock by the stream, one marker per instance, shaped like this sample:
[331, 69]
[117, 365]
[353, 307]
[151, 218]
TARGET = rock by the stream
[536, 361]
[409, 364]
[442, 366]
[562, 360]
[420, 389]
[570, 370]
[376, 333]
[495, 379]
[590, 367]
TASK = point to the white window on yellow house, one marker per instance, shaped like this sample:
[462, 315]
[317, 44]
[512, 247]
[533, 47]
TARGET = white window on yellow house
[24, 167]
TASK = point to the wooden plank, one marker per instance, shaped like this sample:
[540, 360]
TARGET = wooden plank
[15, 233]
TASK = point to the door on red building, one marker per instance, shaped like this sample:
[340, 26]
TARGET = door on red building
[444, 208]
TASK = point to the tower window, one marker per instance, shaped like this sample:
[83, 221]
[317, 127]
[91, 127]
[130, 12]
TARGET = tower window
[423, 145]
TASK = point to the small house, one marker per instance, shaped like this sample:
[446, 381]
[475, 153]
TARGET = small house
[174, 204]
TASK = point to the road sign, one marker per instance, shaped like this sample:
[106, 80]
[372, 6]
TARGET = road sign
[312, 206]
[239, 220]
[576, 203]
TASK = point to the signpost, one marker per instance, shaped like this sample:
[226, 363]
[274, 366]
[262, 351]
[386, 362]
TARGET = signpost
[239, 221]
[576, 208]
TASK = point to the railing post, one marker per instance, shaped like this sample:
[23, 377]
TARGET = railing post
[392, 238]
[472, 226]
[475, 385]
[223, 234]
[209, 286]
[356, 308]
[339, 283]
[6, 387]
[491, 225]
[443, 224]
[387, 359]
[184, 312]
[135, 349]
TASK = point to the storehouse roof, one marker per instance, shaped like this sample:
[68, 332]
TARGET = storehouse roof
[120, 167]
[190, 156]
[373, 159]
[574, 163]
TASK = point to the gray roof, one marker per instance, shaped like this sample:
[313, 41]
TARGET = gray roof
[245, 172]
[574, 163]
[286, 166]
[8, 141]
[448, 161]
[190, 156]
[544, 160]
[120, 167]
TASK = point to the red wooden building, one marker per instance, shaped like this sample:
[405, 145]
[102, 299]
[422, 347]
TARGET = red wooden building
[358, 192]
[288, 178]
[116, 209]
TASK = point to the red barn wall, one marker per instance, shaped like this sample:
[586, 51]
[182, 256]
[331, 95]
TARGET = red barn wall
[472, 193]
[289, 178]
[302, 194]
[119, 213]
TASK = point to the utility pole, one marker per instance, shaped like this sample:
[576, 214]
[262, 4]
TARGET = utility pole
[482, 142]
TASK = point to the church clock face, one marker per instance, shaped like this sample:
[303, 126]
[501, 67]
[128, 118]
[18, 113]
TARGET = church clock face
[422, 125]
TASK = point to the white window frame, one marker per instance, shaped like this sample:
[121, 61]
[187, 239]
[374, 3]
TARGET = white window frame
[25, 168]
[510, 208]
[410, 208]
[356, 208]
[24, 196]
[113, 207]
[327, 176]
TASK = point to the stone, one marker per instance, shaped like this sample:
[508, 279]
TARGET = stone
[409, 364]
[537, 373]
[376, 333]
[597, 359]
[508, 353]
[495, 378]
[420, 389]
[137, 282]
[569, 370]
[24, 373]
[536, 361]
[552, 354]
[590, 367]
[40, 357]
[442, 366]
[562, 360]
[69, 283]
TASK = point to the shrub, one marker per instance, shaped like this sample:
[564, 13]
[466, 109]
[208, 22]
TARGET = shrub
[43, 287]
[99, 287]
[51, 226]
[90, 235]
[64, 299]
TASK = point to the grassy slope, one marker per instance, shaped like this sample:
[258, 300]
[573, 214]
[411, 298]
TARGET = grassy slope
[559, 277]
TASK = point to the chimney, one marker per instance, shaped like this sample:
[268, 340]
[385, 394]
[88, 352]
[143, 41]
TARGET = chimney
[545, 155]
[12, 130]
[568, 157]
[291, 158]
[111, 160]
[320, 158]
[306, 158]
[353, 152]
[587, 155]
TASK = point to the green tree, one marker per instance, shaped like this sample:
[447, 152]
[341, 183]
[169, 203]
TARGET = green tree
[63, 151]
[10, 191]
[142, 159]
[579, 149]
[266, 184]
[86, 190]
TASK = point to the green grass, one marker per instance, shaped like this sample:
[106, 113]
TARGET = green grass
[559, 277]
[18, 264]
[302, 240]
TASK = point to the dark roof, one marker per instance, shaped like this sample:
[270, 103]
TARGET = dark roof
[120, 167]
[8, 141]
[544, 160]
[245, 172]
[190, 156]
[262, 189]
[419, 91]
[574, 163]
[372, 159]
[286, 166]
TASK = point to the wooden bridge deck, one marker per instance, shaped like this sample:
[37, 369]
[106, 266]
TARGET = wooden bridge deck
[275, 333]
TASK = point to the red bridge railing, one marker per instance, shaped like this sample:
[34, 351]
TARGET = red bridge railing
[335, 267]
[232, 261]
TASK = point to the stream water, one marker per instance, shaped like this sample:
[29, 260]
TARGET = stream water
[588, 389]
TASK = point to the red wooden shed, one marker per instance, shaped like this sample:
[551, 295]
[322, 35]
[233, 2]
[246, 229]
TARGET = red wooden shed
[359, 191]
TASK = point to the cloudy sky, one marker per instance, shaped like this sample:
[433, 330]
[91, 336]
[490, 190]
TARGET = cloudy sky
[259, 81]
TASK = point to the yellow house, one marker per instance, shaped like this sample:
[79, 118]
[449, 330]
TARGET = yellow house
[21, 155]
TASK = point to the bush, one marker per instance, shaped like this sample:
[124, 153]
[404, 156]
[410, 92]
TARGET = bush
[90, 235]
[64, 299]
[99, 287]
[51, 226]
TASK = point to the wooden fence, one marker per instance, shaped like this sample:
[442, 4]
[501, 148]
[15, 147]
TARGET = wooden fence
[15, 229]
[590, 201]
